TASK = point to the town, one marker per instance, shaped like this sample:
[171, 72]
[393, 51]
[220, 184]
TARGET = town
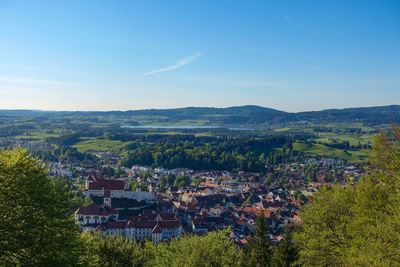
[159, 204]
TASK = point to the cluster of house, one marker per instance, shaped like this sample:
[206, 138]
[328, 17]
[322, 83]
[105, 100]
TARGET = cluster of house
[155, 224]
[161, 171]
[32, 146]
[234, 200]
[110, 156]
[212, 208]
[324, 172]
[60, 169]
[221, 200]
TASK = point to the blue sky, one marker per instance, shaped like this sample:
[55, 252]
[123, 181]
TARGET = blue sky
[121, 55]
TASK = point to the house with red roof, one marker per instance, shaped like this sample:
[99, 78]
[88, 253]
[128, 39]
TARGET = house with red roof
[154, 226]
[114, 188]
[91, 216]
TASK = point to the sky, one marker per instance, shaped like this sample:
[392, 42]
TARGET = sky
[294, 55]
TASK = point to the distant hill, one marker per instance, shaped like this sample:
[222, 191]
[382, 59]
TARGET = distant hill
[232, 116]
[192, 111]
[368, 115]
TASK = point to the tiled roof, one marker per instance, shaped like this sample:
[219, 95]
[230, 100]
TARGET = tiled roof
[145, 224]
[170, 224]
[107, 184]
[115, 225]
[94, 209]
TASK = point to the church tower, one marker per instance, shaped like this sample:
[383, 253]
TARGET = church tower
[107, 199]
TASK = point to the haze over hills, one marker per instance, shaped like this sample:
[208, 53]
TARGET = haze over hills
[236, 116]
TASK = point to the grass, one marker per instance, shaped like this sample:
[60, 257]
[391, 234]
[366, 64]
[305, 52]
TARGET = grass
[312, 149]
[282, 129]
[354, 140]
[36, 136]
[350, 125]
[99, 144]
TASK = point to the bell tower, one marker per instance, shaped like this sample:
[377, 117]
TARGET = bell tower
[107, 199]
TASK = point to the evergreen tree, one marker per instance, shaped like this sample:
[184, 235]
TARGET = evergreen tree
[287, 253]
[259, 251]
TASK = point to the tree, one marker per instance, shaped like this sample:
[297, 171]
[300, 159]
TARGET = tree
[324, 227]
[249, 201]
[385, 155]
[357, 225]
[36, 224]
[181, 181]
[375, 230]
[110, 250]
[287, 253]
[215, 249]
[258, 250]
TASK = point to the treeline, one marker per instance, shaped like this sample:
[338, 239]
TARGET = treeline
[64, 154]
[64, 140]
[218, 153]
[283, 155]
[177, 181]
[127, 137]
[14, 130]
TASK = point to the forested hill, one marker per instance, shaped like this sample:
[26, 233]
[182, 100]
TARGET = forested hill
[188, 112]
[231, 116]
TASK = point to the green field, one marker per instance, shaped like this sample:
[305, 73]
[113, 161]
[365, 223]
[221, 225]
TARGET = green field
[100, 145]
[312, 149]
[354, 140]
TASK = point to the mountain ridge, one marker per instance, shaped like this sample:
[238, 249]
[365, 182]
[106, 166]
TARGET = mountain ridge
[229, 116]
[248, 107]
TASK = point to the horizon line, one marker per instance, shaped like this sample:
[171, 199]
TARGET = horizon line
[186, 107]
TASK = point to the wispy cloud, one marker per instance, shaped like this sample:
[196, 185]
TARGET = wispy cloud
[287, 19]
[179, 64]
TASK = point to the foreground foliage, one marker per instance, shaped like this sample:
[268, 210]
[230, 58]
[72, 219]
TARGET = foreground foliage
[357, 225]
[211, 250]
[110, 251]
[36, 225]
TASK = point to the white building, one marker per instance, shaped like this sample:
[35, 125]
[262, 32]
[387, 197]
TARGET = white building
[91, 216]
[156, 227]
[114, 188]
[138, 168]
